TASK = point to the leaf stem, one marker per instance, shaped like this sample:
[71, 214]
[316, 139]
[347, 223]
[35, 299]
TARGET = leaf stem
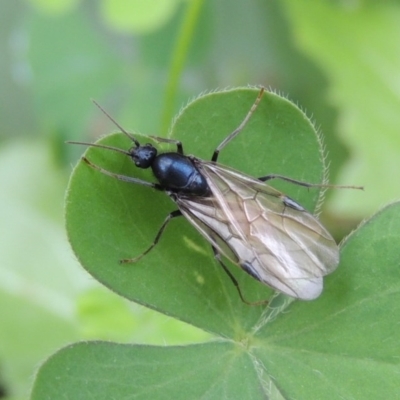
[179, 56]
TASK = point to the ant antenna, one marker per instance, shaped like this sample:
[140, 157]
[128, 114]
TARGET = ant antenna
[137, 144]
[101, 146]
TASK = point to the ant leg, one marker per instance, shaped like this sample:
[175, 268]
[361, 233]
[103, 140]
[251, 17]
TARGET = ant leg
[306, 184]
[177, 143]
[174, 214]
[232, 135]
[124, 178]
[217, 256]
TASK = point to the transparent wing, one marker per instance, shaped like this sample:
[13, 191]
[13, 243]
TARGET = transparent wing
[256, 227]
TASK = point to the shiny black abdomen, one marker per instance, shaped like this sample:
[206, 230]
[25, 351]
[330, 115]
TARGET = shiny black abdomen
[177, 173]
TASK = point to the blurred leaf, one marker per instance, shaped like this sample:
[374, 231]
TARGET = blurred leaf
[37, 279]
[24, 325]
[16, 113]
[104, 315]
[358, 49]
[54, 7]
[80, 61]
[138, 16]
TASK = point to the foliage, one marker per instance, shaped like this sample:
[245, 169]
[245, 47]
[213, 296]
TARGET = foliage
[288, 349]
[339, 60]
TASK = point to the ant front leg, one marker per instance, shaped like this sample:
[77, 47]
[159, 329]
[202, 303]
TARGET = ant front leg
[124, 178]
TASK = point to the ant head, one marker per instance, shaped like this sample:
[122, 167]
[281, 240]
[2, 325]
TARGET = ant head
[143, 156]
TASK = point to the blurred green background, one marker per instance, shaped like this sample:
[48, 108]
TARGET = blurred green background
[142, 60]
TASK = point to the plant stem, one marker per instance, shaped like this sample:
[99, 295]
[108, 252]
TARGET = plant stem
[178, 60]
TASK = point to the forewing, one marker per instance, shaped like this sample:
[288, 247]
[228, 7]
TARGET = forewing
[250, 223]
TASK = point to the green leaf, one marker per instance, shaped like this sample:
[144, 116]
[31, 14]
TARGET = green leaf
[344, 345]
[108, 220]
[347, 344]
[106, 370]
